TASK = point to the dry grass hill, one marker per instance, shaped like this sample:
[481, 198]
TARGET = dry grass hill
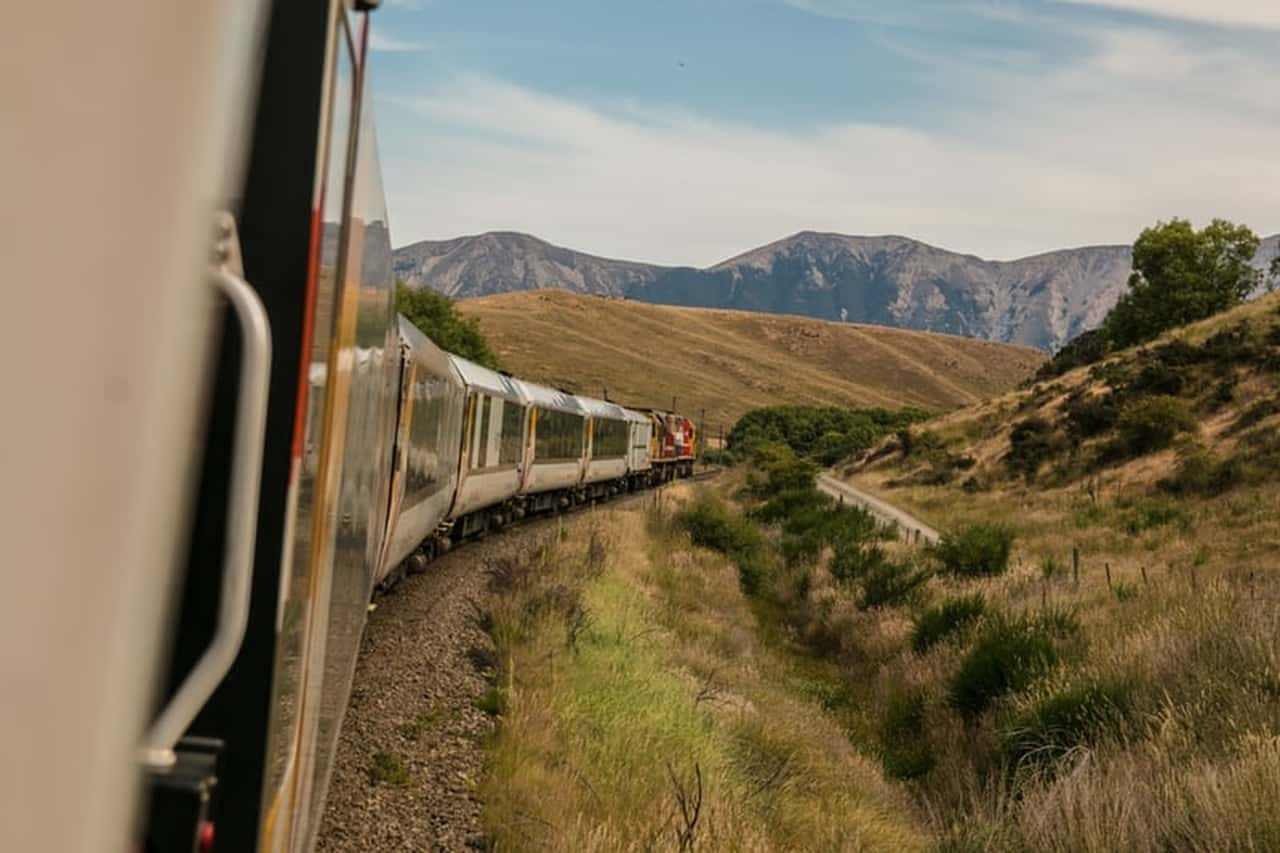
[728, 362]
[1152, 720]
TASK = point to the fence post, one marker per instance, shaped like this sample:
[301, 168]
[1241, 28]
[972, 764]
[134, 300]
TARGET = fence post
[1145, 582]
[1075, 565]
[1108, 568]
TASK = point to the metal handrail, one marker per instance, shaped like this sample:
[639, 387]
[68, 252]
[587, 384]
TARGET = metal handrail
[242, 517]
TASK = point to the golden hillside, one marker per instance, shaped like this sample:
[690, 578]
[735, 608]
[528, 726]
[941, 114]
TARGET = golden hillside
[728, 362]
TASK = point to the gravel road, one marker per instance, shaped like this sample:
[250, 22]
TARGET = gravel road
[881, 509]
[413, 714]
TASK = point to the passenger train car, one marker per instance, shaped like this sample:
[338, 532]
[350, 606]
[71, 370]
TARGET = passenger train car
[476, 450]
[270, 441]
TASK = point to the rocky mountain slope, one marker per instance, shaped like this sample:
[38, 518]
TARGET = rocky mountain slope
[1041, 301]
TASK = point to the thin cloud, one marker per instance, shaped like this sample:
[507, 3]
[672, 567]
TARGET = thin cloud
[1230, 13]
[388, 44]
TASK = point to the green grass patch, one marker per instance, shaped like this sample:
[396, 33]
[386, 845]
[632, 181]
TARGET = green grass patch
[905, 751]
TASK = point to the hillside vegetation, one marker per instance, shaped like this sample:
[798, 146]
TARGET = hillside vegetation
[639, 710]
[730, 362]
[1108, 674]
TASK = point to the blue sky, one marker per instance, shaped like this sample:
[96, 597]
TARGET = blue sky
[686, 132]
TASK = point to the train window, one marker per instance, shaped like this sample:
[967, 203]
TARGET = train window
[482, 449]
[424, 473]
[608, 438]
[558, 436]
[511, 449]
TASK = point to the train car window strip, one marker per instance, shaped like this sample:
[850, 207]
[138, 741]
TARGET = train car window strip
[511, 445]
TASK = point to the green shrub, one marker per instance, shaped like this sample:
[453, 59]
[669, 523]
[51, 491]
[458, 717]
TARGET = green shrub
[1008, 654]
[388, 769]
[942, 621]
[890, 584]
[826, 434]
[786, 472]
[852, 562]
[711, 525]
[1091, 415]
[1232, 347]
[1224, 394]
[905, 751]
[1158, 379]
[917, 441]
[1063, 720]
[1149, 424]
[1085, 348]
[809, 529]
[491, 702]
[717, 456]
[979, 550]
[1200, 473]
[1032, 442]
[790, 502]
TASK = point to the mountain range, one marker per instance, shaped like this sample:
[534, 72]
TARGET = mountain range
[1041, 301]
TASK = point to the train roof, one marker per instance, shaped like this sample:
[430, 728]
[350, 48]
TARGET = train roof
[489, 381]
[635, 417]
[423, 348]
[550, 398]
[602, 409]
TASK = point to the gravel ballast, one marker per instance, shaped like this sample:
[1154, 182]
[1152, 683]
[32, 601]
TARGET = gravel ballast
[411, 752]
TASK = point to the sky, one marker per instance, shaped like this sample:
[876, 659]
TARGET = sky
[689, 131]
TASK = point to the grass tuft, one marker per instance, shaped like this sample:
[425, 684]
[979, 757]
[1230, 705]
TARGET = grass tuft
[946, 620]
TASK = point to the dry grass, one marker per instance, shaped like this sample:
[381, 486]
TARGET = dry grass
[729, 362]
[669, 706]
[1177, 597]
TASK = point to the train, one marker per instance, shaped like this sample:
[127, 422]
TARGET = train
[230, 440]
[476, 449]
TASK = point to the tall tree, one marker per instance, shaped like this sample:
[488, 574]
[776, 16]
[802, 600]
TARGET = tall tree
[437, 317]
[1182, 275]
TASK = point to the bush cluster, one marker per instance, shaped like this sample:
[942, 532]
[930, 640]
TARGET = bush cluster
[952, 617]
[1032, 442]
[712, 525]
[979, 550]
[1149, 424]
[1007, 655]
[1062, 720]
[824, 434]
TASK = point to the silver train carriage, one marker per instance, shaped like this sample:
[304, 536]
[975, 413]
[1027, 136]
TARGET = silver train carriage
[494, 453]
[557, 448]
[608, 446]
